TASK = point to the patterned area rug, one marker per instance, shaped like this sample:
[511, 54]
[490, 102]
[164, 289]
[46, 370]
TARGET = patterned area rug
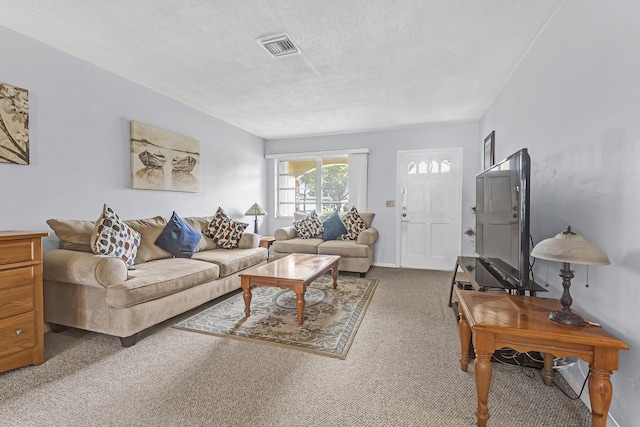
[331, 316]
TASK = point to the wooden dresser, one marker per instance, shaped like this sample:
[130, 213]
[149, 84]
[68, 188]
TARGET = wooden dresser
[21, 314]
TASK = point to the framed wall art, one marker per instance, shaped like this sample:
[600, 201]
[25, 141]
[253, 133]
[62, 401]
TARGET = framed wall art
[14, 125]
[163, 160]
[489, 150]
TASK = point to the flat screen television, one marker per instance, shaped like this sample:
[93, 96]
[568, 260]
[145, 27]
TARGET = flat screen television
[502, 220]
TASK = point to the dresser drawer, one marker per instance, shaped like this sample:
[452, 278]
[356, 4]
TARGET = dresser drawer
[14, 251]
[17, 333]
[15, 301]
[23, 276]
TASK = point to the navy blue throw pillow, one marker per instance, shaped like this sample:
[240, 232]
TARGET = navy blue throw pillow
[178, 238]
[333, 227]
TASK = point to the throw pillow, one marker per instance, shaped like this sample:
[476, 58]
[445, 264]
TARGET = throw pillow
[217, 220]
[229, 233]
[224, 231]
[113, 237]
[333, 227]
[308, 227]
[178, 238]
[354, 224]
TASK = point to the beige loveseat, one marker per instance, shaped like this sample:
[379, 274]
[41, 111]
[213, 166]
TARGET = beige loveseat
[99, 293]
[356, 255]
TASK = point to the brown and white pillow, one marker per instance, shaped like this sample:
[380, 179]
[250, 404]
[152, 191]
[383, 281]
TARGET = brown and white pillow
[354, 224]
[309, 227]
[224, 231]
[213, 226]
[113, 237]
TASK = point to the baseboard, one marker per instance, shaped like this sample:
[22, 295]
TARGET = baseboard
[375, 264]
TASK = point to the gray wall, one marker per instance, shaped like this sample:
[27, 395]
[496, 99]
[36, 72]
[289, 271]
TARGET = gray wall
[79, 136]
[574, 102]
[382, 185]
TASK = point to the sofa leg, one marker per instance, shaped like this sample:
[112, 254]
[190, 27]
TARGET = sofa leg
[56, 328]
[129, 341]
[363, 274]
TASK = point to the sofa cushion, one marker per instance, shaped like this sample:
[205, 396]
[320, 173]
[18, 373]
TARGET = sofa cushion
[111, 236]
[344, 248]
[297, 245]
[333, 227]
[178, 237]
[309, 227]
[232, 261]
[353, 223]
[149, 229]
[74, 235]
[159, 278]
[200, 223]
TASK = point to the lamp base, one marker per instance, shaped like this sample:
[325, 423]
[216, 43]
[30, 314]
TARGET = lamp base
[566, 318]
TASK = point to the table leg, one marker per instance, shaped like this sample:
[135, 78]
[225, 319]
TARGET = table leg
[300, 305]
[547, 369]
[465, 339]
[453, 284]
[246, 286]
[334, 274]
[600, 392]
[482, 369]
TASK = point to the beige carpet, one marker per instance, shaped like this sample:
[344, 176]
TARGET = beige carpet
[331, 316]
[402, 370]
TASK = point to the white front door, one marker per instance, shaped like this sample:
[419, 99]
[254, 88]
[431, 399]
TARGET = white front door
[430, 208]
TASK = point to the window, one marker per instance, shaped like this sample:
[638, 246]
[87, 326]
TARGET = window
[325, 183]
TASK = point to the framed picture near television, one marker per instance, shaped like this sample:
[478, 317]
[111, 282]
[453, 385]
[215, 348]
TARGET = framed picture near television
[489, 150]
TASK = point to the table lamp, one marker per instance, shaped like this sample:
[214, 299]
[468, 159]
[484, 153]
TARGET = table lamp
[568, 247]
[255, 210]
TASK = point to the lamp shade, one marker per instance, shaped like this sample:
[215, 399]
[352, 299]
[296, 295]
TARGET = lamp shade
[255, 209]
[570, 247]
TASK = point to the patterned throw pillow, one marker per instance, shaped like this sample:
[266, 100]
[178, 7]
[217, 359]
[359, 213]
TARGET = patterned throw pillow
[217, 220]
[224, 231]
[178, 238]
[111, 236]
[309, 227]
[354, 224]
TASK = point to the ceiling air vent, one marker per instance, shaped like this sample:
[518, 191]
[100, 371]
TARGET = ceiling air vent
[279, 45]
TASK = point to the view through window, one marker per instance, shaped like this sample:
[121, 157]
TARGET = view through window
[319, 183]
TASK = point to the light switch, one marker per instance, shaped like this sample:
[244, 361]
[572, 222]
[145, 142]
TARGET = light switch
[391, 203]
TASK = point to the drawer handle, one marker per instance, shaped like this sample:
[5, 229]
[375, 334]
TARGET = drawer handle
[19, 332]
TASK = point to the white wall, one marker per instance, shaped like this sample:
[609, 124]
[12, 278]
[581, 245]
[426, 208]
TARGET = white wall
[384, 146]
[574, 101]
[79, 146]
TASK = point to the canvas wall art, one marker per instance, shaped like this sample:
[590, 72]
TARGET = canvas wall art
[14, 124]
[163, 160]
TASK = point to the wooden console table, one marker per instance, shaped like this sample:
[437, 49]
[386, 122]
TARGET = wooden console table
[520, 322]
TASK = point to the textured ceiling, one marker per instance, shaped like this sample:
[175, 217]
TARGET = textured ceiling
[366, 64]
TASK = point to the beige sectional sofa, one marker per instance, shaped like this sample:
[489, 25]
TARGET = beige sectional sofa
[356, 255]
[99, 293]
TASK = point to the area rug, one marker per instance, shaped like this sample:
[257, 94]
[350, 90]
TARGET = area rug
[331, 316]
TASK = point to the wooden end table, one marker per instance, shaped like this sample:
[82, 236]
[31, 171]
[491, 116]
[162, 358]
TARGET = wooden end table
[266, 242]
[295, 272]
[520, 322]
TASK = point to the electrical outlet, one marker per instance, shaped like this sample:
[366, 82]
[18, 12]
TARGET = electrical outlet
[391, 203]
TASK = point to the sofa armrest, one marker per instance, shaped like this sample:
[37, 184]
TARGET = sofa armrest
[368, 236]
[285, 233]
[83, 268]
[249, 241]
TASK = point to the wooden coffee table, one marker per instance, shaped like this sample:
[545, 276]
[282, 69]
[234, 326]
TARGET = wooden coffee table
[295, 272]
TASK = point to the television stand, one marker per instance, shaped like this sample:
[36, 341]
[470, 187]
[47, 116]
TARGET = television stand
[477, 276]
